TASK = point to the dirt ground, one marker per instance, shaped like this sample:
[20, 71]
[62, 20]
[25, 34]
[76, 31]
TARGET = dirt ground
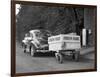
[47, 62]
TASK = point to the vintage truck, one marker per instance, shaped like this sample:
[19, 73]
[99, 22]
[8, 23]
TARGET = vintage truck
[36, 42]
[44, 41]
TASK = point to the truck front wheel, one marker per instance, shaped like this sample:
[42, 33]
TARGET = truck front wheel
[25, 46]
[33, 50]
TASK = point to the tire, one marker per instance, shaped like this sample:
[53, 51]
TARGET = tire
[59, 57]
[25, 46]
[77, 55]
[33, 50]
[73, 54]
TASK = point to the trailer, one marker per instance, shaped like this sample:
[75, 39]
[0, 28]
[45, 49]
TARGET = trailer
[68, 44]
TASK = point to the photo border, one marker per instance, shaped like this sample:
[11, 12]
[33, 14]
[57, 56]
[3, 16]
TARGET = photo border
[13, 37]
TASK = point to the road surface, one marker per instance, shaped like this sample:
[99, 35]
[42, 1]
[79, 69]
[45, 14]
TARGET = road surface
[47, 62]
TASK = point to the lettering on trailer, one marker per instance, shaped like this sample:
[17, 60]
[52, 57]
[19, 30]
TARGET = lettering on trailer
[67, 38]
[75, 38]
[71, 38]
[54, 39]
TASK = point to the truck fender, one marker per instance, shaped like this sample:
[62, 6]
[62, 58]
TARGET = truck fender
[24, 41]
[32, 42]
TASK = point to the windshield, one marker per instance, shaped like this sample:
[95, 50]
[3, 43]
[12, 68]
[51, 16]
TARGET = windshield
[37, 34]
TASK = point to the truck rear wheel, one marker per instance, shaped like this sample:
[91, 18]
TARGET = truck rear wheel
[59, 57]
[76, 55]
[33, 50]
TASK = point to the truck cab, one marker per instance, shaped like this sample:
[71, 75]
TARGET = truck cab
[38, 40]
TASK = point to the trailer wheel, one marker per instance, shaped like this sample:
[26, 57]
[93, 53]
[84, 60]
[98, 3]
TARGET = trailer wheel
[32, 50]
[76, 55]
[59, 57]
[73, 54]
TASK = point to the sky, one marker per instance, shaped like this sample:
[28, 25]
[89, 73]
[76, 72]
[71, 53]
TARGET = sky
[17, 8]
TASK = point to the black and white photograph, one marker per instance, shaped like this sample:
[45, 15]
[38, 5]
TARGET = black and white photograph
[54, 37]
